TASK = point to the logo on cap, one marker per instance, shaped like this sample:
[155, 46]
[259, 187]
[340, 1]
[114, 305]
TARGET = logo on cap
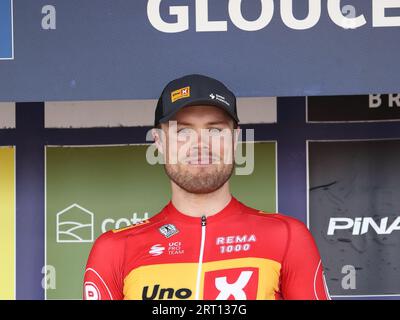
[168, 230]
[180, 94]
[219, 98]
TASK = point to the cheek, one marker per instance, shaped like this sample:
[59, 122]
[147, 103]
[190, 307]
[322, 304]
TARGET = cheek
[183, 149]
[172, 144]
[222, 146]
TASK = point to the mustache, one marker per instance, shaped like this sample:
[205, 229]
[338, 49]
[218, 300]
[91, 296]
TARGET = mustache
[208, 158]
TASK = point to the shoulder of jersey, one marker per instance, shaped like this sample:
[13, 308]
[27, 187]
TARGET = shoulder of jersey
[138, 227]
[291, 221]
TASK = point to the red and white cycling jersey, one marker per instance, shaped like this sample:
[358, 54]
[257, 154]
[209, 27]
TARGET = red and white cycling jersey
[239, 253]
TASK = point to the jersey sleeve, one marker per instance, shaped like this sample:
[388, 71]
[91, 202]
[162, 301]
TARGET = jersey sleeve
[302, 270]
[103, 279]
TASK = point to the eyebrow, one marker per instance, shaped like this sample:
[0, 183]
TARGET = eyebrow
[208, 123]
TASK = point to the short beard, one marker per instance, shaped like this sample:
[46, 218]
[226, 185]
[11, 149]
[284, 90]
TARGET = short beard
[201, 183]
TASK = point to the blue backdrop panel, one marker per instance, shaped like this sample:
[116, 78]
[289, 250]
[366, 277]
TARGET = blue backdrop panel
[6, 41]
[114, 50]
[29, 200]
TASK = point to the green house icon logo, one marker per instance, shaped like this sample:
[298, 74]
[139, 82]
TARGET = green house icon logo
[75, 224]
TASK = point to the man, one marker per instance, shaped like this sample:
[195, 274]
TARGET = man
[204, 244]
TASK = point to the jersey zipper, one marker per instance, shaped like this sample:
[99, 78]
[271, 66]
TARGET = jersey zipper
[200, 264]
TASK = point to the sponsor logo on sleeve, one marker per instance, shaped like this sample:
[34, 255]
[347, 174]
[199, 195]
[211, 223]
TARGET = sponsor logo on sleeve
[91, 291]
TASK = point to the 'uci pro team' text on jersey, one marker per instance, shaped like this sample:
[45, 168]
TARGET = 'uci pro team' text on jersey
[239, 253]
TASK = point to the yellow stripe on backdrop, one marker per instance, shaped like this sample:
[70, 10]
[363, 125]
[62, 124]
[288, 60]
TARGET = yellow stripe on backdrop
[7, 223]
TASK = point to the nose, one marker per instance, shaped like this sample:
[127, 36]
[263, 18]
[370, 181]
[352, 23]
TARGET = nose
[200, 145]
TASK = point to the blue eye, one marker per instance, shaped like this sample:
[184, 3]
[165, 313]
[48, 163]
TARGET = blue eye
[214, 131]
[184, 131]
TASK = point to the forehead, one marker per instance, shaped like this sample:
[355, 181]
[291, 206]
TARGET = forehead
[201, 114]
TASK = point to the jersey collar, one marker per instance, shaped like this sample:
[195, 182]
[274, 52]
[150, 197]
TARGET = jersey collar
[232, 208]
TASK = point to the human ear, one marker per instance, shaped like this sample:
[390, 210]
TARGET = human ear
[159, 139]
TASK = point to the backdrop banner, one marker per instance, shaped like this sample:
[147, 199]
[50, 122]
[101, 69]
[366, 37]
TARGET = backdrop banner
[358, 108]
[99, 50]
[6, 30]
[90, 190]
[7, 223]
[354, 214]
